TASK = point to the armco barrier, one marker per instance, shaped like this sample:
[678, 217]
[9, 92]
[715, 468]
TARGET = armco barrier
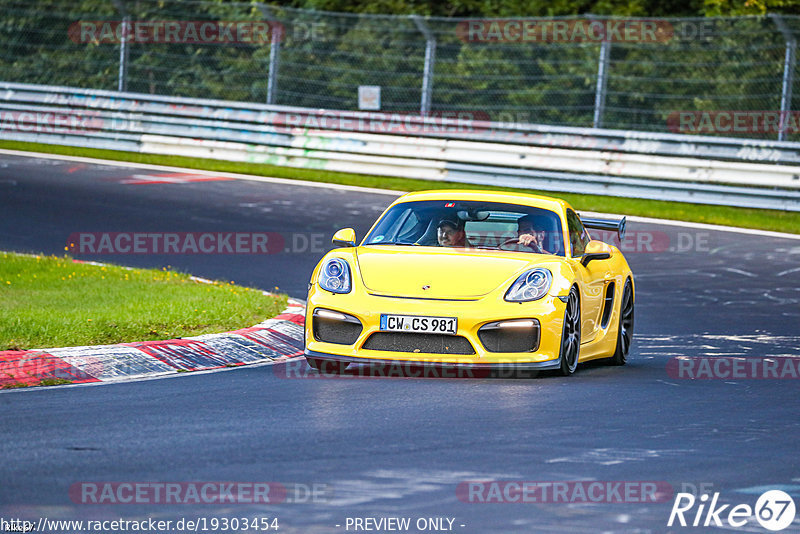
[724, 171]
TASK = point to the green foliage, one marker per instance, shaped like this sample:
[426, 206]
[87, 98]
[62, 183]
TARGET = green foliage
[327, 52]
[716, 8]
[528, 8]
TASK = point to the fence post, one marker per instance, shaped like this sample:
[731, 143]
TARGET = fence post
[430, 58]
[602, 79]
[788, 74]
[274, 52]
[122, 76]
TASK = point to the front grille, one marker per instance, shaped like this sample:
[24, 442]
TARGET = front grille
[335, 331]
[422, 343]
[515, 339]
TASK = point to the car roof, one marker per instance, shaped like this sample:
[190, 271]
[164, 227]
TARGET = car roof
[539, 201]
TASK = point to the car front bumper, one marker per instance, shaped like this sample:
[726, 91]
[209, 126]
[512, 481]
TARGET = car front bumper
[471, 315]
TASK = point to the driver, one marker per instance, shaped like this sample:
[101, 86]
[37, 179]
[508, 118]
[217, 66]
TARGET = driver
[450, 234]
[531, 232]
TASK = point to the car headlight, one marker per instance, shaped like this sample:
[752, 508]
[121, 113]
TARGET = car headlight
[531, 285]
[335, 276]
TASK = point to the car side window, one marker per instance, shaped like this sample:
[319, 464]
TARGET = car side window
[578, 236]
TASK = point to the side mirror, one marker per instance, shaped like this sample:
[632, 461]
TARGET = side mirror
[346, 237]
[595, 250]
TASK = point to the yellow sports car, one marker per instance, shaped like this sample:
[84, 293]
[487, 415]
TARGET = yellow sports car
[472, 278]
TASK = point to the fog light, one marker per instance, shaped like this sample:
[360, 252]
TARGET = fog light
[524, 323]
[328, 314]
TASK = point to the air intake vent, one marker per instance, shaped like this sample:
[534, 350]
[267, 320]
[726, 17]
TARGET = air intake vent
[608, 305]
[335, 327]
[422, 343]
[510, 336]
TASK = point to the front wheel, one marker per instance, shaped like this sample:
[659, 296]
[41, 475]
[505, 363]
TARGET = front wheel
[625, 328]
[327, 367]
[571, 334]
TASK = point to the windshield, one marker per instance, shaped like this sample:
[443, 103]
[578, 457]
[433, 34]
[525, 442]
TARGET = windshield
[470, 224]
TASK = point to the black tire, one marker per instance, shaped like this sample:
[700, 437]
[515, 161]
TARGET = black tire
[327, 367]
[625, 327]
[571, 334]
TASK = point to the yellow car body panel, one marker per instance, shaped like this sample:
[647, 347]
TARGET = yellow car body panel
[470, 285]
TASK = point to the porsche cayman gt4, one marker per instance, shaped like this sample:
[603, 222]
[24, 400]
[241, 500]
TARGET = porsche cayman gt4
[472, 278]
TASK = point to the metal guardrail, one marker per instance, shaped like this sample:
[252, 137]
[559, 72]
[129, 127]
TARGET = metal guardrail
[707, 170]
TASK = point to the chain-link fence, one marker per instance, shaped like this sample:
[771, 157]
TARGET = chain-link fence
[723, 76]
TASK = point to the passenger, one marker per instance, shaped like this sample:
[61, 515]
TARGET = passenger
[532, 232]
[449, 233]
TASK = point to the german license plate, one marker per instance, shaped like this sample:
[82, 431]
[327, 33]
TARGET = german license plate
[418, 324]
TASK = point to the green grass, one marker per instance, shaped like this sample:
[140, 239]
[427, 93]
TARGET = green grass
[17, 385]
[781, 221]
[49, 301]
[54, 382]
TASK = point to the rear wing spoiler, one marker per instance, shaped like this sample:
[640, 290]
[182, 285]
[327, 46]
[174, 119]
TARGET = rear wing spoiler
[606, 224]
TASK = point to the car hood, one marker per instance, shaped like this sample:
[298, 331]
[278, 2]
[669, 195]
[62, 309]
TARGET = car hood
[449, 273]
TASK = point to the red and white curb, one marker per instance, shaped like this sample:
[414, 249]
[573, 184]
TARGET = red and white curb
[278, 338]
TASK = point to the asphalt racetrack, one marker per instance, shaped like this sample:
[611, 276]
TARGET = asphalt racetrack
[390, 447]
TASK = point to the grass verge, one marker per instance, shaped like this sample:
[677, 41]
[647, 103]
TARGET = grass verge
[49, 301]
[780, 221]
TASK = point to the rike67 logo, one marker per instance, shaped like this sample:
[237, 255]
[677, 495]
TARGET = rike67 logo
[774, 510]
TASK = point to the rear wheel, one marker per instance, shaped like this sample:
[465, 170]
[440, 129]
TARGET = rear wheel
[571, 334]
[327, 367]
[625, 329]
